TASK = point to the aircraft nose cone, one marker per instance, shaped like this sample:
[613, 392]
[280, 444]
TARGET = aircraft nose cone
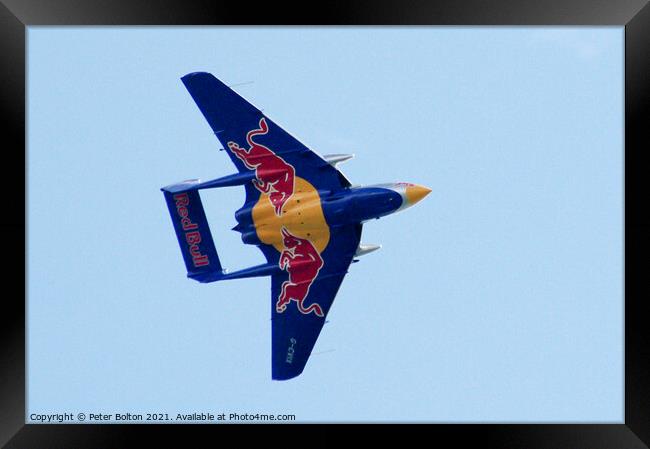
[415, 193]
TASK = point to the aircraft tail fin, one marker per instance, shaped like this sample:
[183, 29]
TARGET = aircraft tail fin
[193, 232]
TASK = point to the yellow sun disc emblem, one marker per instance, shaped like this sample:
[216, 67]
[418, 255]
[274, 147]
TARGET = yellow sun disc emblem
[302, 215]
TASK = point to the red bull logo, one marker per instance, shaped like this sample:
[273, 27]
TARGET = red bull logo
[273, 175]
[192, 234]
[303, 262]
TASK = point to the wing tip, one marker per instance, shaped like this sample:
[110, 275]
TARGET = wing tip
[197, 75]
[202, 78]
[285, 376]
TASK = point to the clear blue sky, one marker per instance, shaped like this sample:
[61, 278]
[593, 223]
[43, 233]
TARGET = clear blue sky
[498, 298]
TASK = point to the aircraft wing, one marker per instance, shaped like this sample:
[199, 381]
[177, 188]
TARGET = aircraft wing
[284, 217]
[295, 331]
[231, 118]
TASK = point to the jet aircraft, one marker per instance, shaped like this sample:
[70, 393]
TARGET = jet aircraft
[300, 210]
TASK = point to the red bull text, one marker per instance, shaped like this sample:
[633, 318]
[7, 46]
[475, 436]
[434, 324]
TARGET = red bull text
[192, 234]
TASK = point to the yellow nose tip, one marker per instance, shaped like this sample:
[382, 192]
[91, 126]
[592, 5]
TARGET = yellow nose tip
[415, 193]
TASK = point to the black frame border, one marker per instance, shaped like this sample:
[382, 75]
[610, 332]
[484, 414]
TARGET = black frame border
[634, 15]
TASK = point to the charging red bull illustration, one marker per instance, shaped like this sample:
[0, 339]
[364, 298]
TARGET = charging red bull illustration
[272, 174]
[303, 214]
[303, 262]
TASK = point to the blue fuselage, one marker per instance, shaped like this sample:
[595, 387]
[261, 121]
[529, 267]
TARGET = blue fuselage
[356, 205]
[343, 207]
